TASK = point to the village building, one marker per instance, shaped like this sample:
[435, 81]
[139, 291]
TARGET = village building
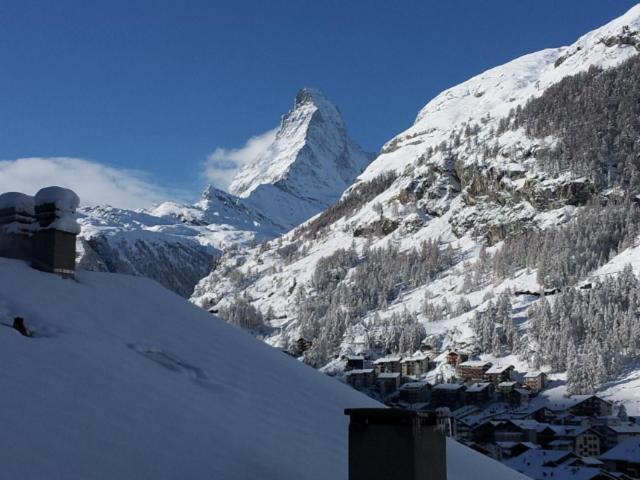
[17, 217]
[415, 392]
[388, 365]
[535, 381]
[615, 434]
[450, 395]
[479, 393]
[473, 370]
[354, 362]
[454, 358]
[415, 365]
[361, 379]
[624, 457]
[499, 373]
[388, 383]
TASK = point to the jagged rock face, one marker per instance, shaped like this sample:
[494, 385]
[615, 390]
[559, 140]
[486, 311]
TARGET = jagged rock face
[307, 167]
[458, 176]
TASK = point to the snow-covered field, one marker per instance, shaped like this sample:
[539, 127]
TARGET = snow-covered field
[124, 379]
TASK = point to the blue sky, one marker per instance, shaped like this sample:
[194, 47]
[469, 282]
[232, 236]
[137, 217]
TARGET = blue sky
[155, 87]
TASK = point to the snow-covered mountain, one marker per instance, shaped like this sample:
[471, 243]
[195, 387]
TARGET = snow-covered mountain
[123, 379]
[307, 167]
[487, 191]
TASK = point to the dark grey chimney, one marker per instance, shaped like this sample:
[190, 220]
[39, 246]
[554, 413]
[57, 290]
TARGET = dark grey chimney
[16, 225]
[393, 444]
[54, 243]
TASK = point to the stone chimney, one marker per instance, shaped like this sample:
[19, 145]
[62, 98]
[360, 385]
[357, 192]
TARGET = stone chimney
[54, 242]
[16, 225]
[395, 444]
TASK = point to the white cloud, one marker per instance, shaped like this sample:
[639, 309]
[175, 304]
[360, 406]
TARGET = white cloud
[93, 182]
[223, 164]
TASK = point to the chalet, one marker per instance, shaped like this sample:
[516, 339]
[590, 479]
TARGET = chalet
[589, 406]
[624, 457]
[499, 373]
[454, 358]
[361, 379]
[450, 395]
[504, 388]
[615, 434]
[388, 365]
[479, 393]
[417, 364]
[535, 381]
[354, 362]
[473, 370]
[388, 383]
[516, 397]
[415, 392]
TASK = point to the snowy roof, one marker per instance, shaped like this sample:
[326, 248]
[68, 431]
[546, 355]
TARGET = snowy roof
[414, 386]
[448, 386]
[474, 363]
[499, 368]
[387, 360]
[360, 371]
[507, 384]
[478, 387]
[626, 428]
[387, 376]
[533, 374]
[63, 198]
[629, 451]
[18, 201]
[416, 357]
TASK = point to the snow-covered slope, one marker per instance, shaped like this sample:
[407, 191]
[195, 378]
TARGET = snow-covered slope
[465, 174]
[307, 167]
[124, 379]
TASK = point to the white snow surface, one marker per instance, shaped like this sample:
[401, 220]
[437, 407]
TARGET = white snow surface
[63, 198]
[124, 379]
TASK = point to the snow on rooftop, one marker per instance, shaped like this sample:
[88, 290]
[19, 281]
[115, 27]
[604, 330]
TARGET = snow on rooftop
[628, 450]
[474, 363]
[499, 368]
[124, 379]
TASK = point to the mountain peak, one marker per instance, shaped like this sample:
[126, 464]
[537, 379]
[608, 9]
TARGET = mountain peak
[309, 164]
[309, 95]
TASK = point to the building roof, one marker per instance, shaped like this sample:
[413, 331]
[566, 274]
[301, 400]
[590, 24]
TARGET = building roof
[416, 357]
[533, 374]
[508, 384]
[448, 386]
[474, 363]
[628, 451]
[629, 428]
[478, 387]
[396, 358]
[388, 376]
[414, 386]
[360, 371]
[497, 369]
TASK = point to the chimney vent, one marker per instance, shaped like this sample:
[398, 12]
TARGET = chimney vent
[395, 444]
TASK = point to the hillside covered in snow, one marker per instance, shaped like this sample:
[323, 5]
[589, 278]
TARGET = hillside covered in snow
[307, 167]
[520, 181]
[122, 378]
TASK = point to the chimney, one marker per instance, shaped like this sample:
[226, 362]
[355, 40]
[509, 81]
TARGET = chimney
[16, 225]
[54, 243]
[395, 444]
